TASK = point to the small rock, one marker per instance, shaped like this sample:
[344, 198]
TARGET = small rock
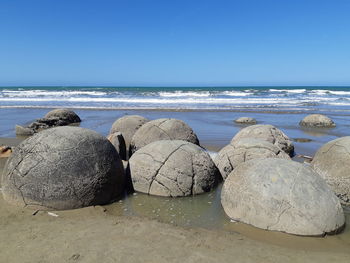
[317, 121]
[245, 120]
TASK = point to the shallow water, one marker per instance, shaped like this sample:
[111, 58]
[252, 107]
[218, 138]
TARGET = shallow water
[205, 211]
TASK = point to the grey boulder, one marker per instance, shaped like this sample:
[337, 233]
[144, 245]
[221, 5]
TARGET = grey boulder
[63, 168]
[268, 133]
[245, 120]
[63, 114]
[282, 195]
[118, 142]
[244, 150]
[172, 168]
[128, 125]
[317, 120]
[54, 118]
[332, 162]
[162, 129]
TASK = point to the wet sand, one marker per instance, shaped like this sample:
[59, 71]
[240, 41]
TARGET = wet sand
[143, 228]
[93, 234]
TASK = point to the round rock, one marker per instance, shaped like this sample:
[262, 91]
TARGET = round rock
[118, 142]
[162, 129]
[332, 162]
[63, 114]
[244, 150]
[128, 125]
[245, 120]
[268, 133]
[282, 195]
[172, 168]
[63, 168]
[317, 120]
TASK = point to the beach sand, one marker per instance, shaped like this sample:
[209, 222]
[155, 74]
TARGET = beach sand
[142, 228]
[92, 234]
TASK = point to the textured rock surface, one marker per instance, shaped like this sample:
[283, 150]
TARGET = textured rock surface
[118, 142]
[268, 133]
[54, 118]
[244, 150]
[282, 195]
[63, 168]
[128, 125]
[317, 120]
[63, 114]
[245, 120]
[332, 162]
[172, 168]
[162, 129]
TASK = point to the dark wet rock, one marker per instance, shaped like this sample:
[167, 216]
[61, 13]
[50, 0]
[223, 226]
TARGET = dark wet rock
[245, 120]
[54, 118]
[268, 133]
[244, 150]
[63, 114]
[162, 129]
[282, 195]
[317, 120]
[332, 162]
[128, 125]
[172, 168]
[63, 168]
[5, 151]
[118, 142]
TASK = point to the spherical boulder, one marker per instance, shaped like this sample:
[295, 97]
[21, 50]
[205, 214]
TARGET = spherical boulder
[172, 168]
[244, 150]
[245, 120]
[128, 125]
[332, 162]
[268, 133]
[118, 142]
[282, 195]
[63, 114]
[162, 129]
[317, 120]
[63, 168]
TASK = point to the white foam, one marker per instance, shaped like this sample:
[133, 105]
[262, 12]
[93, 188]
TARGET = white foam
[35, 93]
[179, 93]
[236, 93]
[288, 90]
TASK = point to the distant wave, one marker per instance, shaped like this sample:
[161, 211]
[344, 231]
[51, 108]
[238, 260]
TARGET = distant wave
[288, 90]
[142, 98]
[184, 94]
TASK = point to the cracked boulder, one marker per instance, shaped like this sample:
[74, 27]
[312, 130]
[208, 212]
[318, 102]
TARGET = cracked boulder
[245, 120]
[332, 162]
[118, 142]
[172, 168]
[268, 133]
[128, 125]
[54, 118]
[63, 168]
[282, 195]
[162, 129]
[317, 120]
[244, 150]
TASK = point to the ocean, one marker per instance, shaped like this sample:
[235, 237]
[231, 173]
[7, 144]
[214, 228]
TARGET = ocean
[179, 98]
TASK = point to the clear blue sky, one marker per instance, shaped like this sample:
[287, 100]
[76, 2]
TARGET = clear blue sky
[174, 42]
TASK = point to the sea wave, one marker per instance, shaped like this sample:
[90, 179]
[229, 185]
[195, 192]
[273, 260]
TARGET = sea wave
[41, 93]
[179, 93]
[288, 90]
